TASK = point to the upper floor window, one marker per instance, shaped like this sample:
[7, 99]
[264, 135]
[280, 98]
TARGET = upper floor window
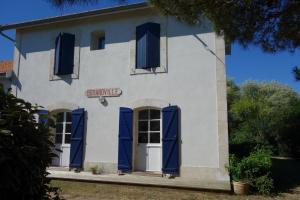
[148, 46]
[64, 54]
[97, 40]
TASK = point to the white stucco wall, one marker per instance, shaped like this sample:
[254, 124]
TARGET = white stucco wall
[190, 83]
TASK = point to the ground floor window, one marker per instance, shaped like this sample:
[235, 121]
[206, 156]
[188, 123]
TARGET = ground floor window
[63, 128]
[149, 126]
[62, 139]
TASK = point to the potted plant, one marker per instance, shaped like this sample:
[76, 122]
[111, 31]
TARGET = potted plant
[253, 170]
[240, 182]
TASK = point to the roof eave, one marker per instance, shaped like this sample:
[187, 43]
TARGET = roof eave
[77, 16]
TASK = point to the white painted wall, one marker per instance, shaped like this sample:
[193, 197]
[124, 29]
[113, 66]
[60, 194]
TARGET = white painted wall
[189, 83]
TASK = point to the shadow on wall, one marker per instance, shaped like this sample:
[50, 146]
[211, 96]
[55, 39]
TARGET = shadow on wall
[84, 138]
[286, 174]
[42, 38]
[179, 139]
[16, 82]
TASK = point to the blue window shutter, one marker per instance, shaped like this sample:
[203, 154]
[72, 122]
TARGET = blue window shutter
[153, 55]
[64, 54]
[148, 46]
[125, 140]
[170, 140]
[57, 59]
[77, 135]
[43, 116]
[141, 47]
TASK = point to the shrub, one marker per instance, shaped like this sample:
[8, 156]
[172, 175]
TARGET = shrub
[257, 164]
[25, 151]
[235, 169]
[264, 184]
[96, 169]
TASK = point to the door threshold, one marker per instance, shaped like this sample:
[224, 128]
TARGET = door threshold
[145, 173]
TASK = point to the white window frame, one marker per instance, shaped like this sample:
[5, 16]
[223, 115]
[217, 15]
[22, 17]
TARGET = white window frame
[75, 74]
[163, 68]
[149, 120]
[64, 133]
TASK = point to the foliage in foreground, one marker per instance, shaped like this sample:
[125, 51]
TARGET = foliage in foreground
[264, 114]
[25, 151]
[255, 169]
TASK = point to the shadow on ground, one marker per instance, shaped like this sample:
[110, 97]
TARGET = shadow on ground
[286, 174]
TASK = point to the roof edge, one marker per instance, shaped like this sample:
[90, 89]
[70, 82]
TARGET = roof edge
[76, 16]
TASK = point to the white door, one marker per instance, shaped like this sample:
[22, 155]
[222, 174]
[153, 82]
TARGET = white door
[62, 139]
[149, 150]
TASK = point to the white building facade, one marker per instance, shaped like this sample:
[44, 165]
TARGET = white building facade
[132, 90]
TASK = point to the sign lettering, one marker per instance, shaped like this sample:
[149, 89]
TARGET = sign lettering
[103, 92]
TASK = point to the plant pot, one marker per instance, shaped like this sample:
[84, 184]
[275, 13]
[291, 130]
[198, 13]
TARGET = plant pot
[241, 188]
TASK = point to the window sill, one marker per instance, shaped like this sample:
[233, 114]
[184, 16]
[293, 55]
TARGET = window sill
[135, 71]
[63, 77]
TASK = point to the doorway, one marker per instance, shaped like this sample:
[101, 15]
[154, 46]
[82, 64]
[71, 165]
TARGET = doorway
[62, 139]
[148, 142]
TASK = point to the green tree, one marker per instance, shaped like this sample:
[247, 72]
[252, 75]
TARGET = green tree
[25, 151]
[265, 114]
[273, 25]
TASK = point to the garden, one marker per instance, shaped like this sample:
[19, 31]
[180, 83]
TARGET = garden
[263, 124]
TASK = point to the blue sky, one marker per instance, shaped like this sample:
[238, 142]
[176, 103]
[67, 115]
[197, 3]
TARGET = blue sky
[242, 64]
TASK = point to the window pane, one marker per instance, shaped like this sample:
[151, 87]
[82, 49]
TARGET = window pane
[60, 117]
[68, 128]
[69, 117]
[154, 137]
[143, 137]
[143, 114]
[59, 128]
[101, 43]
[143, 125]
[58, 138]
[155, 126]
[67, 138]
[154, 114]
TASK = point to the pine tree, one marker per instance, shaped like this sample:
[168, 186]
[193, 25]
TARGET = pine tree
[273, 25]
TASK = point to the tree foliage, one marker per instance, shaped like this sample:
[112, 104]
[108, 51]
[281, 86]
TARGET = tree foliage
[264, 114]
[25, 151]
[273, 25]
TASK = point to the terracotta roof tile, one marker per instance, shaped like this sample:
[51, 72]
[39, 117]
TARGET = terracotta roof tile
[6, 66]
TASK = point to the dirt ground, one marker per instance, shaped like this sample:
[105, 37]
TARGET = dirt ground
[286, 175]
[96, 191]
